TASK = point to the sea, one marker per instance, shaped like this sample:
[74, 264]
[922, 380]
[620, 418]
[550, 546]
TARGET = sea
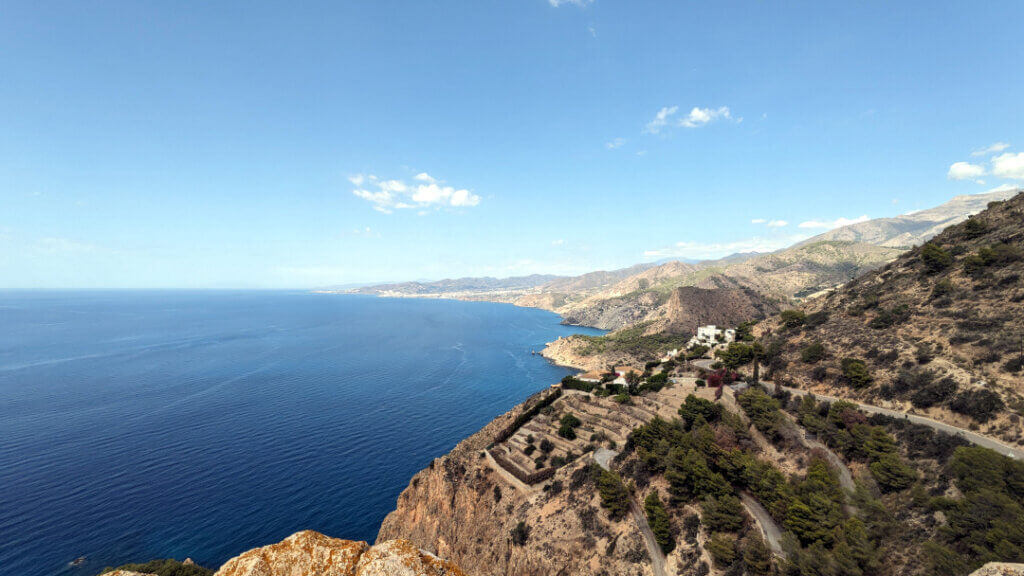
[137, 425]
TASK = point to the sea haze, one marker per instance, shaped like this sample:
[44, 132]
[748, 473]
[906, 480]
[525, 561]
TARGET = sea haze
[142, 425]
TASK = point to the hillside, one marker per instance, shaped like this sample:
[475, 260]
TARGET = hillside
[816, 264]
[682, 479]
[939, 331]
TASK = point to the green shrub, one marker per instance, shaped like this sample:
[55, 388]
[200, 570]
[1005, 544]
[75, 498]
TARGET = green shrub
[816, 319]
[659, 521]
[813, 353]
[756, 555]
[856, 372]
[935, 259]
[735, 355]
[793, 318]
[892, 474]
[978, 404]
[614, 496]
[887, 317]
[694, 407]
[974, 228]
[722, 548]
[933, 393]
[520, 534]
[942, 288]
[723, 513]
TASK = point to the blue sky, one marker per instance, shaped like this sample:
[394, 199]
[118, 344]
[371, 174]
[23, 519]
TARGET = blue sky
[280, 145]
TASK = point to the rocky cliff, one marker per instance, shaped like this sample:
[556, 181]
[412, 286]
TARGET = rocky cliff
[309, 553]
[462, 506]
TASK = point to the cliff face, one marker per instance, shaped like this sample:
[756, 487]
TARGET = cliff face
[310, 553]
[463, 507]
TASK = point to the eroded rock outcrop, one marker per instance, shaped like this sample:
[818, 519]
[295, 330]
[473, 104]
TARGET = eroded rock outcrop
[310, 553]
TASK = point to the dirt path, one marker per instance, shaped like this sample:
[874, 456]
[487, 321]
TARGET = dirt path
[771, 531]
[603, 457]
[653, 550]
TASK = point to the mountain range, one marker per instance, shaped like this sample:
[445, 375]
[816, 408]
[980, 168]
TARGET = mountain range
[618, 299]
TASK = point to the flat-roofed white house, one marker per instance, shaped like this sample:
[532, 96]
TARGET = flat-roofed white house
[710, 335]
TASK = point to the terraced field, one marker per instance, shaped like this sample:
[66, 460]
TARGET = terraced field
[604, 422]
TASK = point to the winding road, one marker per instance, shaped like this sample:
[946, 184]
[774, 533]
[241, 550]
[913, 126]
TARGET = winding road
[972, 437]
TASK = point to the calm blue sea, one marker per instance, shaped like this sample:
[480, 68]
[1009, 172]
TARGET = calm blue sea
[141, 425]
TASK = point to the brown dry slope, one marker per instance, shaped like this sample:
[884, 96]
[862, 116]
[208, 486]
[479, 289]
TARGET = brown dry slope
[938, 331]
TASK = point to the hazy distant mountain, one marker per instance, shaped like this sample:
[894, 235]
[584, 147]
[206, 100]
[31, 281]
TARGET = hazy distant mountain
[915, 228]
[619, 298]
[458, 285]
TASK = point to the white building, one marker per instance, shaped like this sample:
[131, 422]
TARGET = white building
[710, 335]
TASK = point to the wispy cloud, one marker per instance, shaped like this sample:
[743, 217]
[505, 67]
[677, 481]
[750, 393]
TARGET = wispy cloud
[700, 116]
[1009, 165]
[965, 171]
[708, 251]
[425, 193]
[557, 3]
[661, 119]
[830, 224]
[696, 118]
[770, 223]
[992, 149]
[615, 143]
[557, 242]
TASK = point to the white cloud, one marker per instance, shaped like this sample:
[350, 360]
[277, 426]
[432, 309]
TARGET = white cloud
[708, 251]
[557, 3]
[696, 118]
[661, 119]
[615, 143]
[965, 171]
[700, 116]
[993, 149]
[830, 224]
[426, 193]
[771, 223]
[558, 242]
[1009, 165]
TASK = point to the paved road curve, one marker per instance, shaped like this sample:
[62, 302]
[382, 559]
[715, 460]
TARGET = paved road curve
[972, 437]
